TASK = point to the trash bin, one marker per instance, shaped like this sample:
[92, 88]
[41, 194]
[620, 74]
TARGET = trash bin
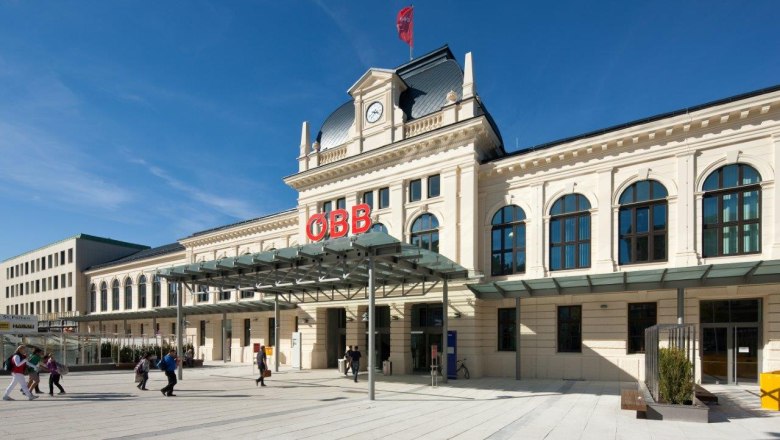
[770, 390]
[342, 366]
[387, 368]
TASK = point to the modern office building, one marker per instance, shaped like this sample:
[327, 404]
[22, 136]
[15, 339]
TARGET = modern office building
[547, 262]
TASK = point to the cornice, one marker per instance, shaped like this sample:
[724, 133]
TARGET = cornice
[137, 264]
[681, 128]
[441, 139]
[243, 230]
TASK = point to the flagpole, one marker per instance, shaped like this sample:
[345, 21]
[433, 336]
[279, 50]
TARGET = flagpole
[411, 46]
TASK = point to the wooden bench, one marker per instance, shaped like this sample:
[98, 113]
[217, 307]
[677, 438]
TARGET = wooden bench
[632, 400]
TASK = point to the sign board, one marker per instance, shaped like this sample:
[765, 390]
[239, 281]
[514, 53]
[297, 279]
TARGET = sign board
[337, 223]
[269, 351]
[18, 324]
[256, 348]
[744, 349]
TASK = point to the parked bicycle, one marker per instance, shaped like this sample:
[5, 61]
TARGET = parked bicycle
[462, 367]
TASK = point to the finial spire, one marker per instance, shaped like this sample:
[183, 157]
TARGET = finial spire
[469, 87]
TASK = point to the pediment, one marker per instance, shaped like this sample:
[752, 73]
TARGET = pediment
[374, 78]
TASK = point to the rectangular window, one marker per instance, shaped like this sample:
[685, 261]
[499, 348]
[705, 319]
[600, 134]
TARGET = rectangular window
[327, 207]
[271, 332]
[62, 281]
[341, 203]
[433, 186]
[70, 303]
[247, 331]
[43, 263]
[70, 279]
[295, 324]
[384, 198]
[173, 328]
[56, 282]
[224, 295]
[70, 255]
[62, 257]
[640, 317]
[51, 265]
[507, 329]
[202, 334]
[415, 190]
[570, 329]
[368, 198]
[247, 294]
[26, 268]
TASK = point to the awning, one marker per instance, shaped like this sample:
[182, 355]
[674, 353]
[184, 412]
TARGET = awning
[197, 309]
[712, 275]
[330, 270]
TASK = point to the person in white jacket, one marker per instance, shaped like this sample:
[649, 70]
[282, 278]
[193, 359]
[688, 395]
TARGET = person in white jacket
[19, 361]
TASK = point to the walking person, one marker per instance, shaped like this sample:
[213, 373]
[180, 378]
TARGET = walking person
[54, 374]
[19, 363]
[347, 359]
[262, 365]
[169, 363]
[142, 371]
[33, 370]
[355, 361]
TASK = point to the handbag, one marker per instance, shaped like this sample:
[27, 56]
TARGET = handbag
[266, 373]
[62, 369]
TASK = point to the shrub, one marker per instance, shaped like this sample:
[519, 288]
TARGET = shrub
[676, 376]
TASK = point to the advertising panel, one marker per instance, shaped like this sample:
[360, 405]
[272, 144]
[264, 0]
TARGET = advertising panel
[18, 324]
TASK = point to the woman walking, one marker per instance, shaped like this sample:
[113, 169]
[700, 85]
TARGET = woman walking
[19, 363]
[54, 374]
[262, 365]
[142, 370]
[33, 362]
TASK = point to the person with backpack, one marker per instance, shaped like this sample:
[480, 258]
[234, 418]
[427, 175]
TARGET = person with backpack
[18, 363]
[168, 364]
[54, 374]
[142, 372]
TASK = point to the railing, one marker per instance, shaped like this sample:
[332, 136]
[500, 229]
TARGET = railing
[422, 125]
[679, 336]
[57, 316]
[333, 154]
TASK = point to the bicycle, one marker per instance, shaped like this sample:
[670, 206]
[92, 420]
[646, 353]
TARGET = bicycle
[462, 366]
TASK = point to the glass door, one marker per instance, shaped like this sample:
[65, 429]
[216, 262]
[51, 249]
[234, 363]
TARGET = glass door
[746, 354]
[714, 355]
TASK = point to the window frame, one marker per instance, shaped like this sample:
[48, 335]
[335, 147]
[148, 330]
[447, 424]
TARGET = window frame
[638, 350]
[128, 288]
[516, 225]
[142, 292]
[415, 190]
[560, 338]
[428, 191]
[506, 331]
[651, 234]
[383, 198]
[431, 233]
[578, 214]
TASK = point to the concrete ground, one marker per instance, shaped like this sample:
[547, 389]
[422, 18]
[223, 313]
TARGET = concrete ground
[220, 401]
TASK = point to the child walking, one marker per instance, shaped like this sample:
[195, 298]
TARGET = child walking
[54, 374]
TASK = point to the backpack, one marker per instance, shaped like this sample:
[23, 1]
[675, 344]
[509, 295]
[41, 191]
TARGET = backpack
[9, 364]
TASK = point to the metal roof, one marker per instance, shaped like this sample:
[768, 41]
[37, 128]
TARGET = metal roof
[713, 275]
[146, 253]
[198, 309]
[330, 270]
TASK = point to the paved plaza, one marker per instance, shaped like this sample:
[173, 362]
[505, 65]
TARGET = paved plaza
[219, 401]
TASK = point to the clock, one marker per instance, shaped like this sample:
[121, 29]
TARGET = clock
[374, 112]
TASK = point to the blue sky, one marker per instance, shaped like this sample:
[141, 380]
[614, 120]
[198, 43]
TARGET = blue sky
[148, 121]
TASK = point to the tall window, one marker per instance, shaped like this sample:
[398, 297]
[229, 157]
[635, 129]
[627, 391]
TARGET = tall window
[142, 292]
[341, 203]
[570, 233]
[327, 206]
[92, 299]
[115, 295]
[384, 197]
[173, 292]
[368, 198]
[507, 330]
[247, 331]
[415, 190]
[640, 317]
[271, 332]
[128, 293]
[642, 223]
[508, 241]
[425, 232]
[103, 296]
[433, 186]
[202, 334]
[156, 292]
[570, 329]
[732, 211]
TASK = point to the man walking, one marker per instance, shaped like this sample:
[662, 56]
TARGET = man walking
[169, 363]
[355, 361]
[262, 365]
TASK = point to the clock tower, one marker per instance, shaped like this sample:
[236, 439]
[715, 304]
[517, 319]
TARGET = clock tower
[378, 118]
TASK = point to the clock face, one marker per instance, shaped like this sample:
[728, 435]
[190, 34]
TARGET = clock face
[374, 112]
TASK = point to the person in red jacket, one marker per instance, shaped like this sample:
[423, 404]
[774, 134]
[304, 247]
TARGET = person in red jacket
[19, 362]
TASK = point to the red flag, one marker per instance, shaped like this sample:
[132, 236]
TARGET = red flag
[405, 25]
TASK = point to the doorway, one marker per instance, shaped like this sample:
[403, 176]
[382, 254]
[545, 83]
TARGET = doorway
[427, 320]
[730, 341]
[227, 338]
[381, 336]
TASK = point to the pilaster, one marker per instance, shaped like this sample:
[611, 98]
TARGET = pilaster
[602, 226]
[685, 236]
[536, 232]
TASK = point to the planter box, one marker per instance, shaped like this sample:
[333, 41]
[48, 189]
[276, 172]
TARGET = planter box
[698, 412]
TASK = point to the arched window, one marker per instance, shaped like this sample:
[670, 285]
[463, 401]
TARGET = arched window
[142, 292]
[103, 297]
[115, 295]
[92, 298]
[425, 232]
[642, 223]
[570, 233]
[128, 293]
[156, 292]
[507, 242]
[378, 227]
[173, 293]
[731, 211]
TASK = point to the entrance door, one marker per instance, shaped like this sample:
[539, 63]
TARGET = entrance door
[714, 355]
[421, 350]
[746, 351]
[730, 341]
